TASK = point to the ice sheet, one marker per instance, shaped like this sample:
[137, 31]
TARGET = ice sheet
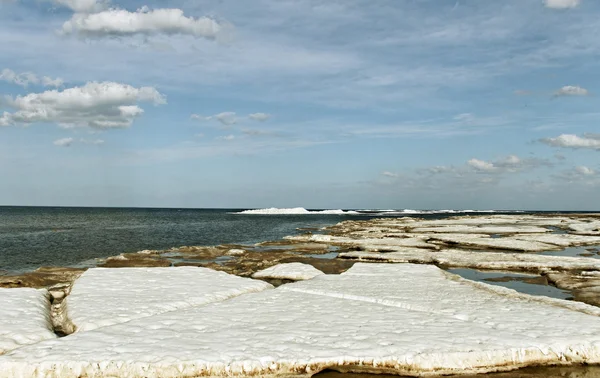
[400, 318]
[103, 297]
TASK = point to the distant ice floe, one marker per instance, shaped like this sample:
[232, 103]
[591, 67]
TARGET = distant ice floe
[24, 318]
[384, 318]
[296, 211]
[303, 211]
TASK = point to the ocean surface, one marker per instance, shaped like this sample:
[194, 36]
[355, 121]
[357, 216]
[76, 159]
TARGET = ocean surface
[31, 237]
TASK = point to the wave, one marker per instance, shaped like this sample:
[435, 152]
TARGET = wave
[296, 211]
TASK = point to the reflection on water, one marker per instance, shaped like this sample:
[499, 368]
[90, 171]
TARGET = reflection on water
[524, 283]
[532, 372]
[592, 251]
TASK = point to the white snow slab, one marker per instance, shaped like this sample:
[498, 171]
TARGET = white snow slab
[587, 228]
[374, 243]
[479, 260]
[563, 240]
[466, 229]
[24, 318]
[290, 271]
[103, 297]
[505, 243]
[403, 319]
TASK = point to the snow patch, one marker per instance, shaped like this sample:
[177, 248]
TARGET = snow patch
[479, 260]
[24, 318]
[290, 271]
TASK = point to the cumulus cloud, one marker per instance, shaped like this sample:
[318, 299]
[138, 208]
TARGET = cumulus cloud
[225, 118]
[561, 4]
[480, 165]
[261, 117]
[572, 90]
[103, 105]
[585, 171]
[64, 142]
[120, 22]
[67, 142]
[389, 174]
[509, 164]
[84, 6]
[591, 141]
[28, 78]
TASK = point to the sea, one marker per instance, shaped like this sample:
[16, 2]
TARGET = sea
[32, 237]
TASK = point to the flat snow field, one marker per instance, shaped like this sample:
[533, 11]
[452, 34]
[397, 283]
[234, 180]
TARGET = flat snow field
[390, 318]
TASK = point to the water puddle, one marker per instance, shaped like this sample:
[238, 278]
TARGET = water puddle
[218, 260]
[530, 372]
[592, 251]
[523, 283]
[324, 256]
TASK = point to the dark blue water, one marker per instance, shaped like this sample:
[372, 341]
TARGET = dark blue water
[31, 237]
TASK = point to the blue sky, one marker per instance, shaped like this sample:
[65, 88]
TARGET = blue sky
[422, 104]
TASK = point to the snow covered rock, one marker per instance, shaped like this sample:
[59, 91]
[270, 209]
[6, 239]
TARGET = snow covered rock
[586, 228]
[479, 260]
[506, 243]
[385, 318]
[24, 318]
[290, 271]
[563, 240]
[103, 297]
[416, 241]
[467, 229]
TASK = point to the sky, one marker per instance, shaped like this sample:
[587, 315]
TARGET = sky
[418, 104]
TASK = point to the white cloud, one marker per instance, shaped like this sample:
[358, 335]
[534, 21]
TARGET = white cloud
[509, 164]
[64, 142]
[97, 105]
[225, 118]
[67, 142]
[465, 117]
[573, 141]
[585, 171]
[572, 90]
[562, 4]
[28, 78]
[120, 22]
[50, 82]
[95, 142]
[227, 137]
[261, 117]
[482, 166]
[389, 174]
[84, 6]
